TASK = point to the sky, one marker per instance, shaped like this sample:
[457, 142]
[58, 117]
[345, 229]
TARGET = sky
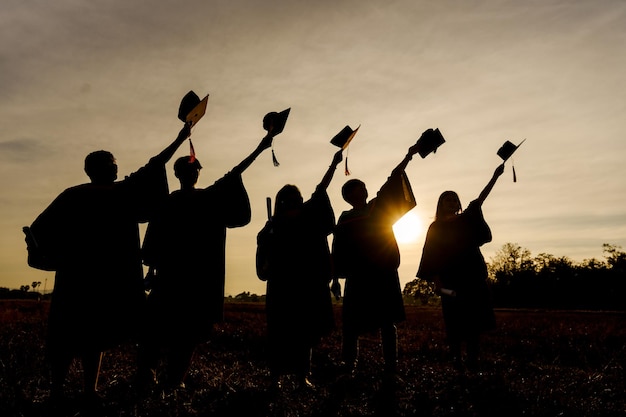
[82, 76]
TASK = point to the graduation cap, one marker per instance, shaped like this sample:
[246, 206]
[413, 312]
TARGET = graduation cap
[343, 139]
[275, 121]
[191, 108]
[506, 151]
[430, 140]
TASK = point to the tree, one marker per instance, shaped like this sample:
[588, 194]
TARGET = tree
[615, 258]
[593, 264]
[507, 261]
[419, 289]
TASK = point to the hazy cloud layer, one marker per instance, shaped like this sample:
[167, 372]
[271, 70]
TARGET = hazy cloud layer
[81, 76]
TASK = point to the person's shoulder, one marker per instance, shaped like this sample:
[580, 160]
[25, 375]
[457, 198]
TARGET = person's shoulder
[84, 188]
[473, 206]
[354, 214]
[346, 213]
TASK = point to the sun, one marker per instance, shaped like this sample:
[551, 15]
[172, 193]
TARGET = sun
[409, 228]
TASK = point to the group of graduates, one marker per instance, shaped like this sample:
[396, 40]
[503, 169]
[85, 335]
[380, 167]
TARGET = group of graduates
[90, 236]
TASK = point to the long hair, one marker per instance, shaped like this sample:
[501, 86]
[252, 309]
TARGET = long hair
[288, 197]
[442, 197]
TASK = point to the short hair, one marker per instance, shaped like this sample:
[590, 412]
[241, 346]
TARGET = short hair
[96, 161]
[349, 186]
[184, 163]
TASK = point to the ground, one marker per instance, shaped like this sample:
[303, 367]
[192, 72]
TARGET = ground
[537, 363]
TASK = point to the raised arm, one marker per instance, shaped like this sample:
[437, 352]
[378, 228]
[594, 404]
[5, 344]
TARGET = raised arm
[328, 176]
[167, 153]
[485, 192]
[266, 142]
[403, 164]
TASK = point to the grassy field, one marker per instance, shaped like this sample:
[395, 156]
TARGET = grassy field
[537, 363]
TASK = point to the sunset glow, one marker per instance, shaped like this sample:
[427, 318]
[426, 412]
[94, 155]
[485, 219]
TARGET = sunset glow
[409, 228]
[75, 81]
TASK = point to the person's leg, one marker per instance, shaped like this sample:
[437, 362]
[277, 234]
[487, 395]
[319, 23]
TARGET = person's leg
[453, 318]
[91, 369]
[350, 349]
[147, 361]
[303, 366]
[91, 360]
[179, 359]
[456, 352]
[389, 336]
[59, 366]
[473, 351]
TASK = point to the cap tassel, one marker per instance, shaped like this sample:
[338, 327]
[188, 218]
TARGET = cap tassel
[514, 176]
[346, 170]
[192, 153]
[274, 158]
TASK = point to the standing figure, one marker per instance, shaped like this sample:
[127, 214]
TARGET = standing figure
[366, 254]
[294, 258]
[184, 248]
[90, 236]
[451, 258]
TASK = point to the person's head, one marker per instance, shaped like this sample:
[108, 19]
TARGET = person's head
[186, 171]
[449, 204]
[354, 193]
[100, 167]
[288, 201]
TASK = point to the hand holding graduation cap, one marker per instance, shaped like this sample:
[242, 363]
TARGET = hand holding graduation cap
[485, 192]
[416, 147]
[266, 142]
[338, 157]
[506, 151]
[191, 108]
[499, 170]
[330, 172]
[428, 142]
[274, 123]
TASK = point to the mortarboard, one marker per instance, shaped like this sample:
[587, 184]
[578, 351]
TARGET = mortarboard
[506, 151]
[276, 122]
[279, 120]
[430, 140]
[343, 139]
[191, 108]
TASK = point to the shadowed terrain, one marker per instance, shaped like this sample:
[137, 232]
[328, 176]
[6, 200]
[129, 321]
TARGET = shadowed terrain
[537, 363]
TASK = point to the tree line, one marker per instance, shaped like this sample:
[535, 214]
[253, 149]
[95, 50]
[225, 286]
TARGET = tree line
[519, 280]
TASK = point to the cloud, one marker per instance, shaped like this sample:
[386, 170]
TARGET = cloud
[23, 150]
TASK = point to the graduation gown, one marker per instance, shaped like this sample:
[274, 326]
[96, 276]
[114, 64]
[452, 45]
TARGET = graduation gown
[298, 299]
[452, 252]
[186, 243]
[366, 253]
[91, 235]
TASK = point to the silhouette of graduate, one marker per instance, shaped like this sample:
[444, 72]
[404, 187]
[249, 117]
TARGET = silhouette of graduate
[366, 254]
[185, 247]
[293, 256]
[89, 235]
[452, 260]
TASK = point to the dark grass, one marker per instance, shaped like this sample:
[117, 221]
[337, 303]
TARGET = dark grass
[537, 363]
